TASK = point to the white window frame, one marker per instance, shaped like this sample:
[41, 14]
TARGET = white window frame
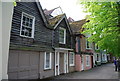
[73, 63]
[33, 25]
[50, 63]
[61, 28]
[87, 60]
[89, 44]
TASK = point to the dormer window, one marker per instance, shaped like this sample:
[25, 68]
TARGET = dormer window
[27, 25]
[62, 35]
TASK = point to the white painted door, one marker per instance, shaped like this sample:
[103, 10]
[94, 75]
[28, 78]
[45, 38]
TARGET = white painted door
[82, 62]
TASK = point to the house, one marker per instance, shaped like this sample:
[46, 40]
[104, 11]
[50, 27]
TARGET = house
[31, 55]
[63, 43]
[104, 56]
[97, 55]
[84, 52]
[39, 47]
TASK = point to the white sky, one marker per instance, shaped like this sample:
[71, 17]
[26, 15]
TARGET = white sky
[70, 7]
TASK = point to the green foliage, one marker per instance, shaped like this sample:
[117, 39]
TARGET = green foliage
[14, 3]
[104, 26]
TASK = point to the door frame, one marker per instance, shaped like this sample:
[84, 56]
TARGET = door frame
[57, 72]
[65, 61]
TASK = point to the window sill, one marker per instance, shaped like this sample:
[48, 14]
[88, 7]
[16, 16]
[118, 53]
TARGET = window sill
[26, 37]
[87, 65]
[45, 69]
[71, 65]
[89, 48]
[61, 43]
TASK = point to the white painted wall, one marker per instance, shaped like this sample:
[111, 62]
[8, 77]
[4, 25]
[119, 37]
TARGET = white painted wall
[7, 11]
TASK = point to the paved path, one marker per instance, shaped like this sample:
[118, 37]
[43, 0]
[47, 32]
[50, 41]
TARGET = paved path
[105, 71]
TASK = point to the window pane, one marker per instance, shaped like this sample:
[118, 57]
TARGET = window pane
[27, 23]
[30, 25]
[24, 18]
[71, 59]
[47, 60]
[31, 20]
[27, 19]
[61, 35]
[87, 60]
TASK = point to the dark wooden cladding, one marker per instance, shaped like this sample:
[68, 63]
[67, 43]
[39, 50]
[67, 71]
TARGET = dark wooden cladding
[68, 36]
[42, 35]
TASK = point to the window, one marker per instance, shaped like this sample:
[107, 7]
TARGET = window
[96, 47]
[71, 58]
[47, 61]
[62, 35]
[103, 58]
[87, 60]
[97, 57]
[27, 25]
[88, 45]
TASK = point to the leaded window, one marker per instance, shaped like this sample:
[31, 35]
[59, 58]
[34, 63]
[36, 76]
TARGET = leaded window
[27, 25]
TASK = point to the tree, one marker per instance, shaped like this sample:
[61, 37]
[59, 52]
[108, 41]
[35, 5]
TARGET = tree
[104, 25]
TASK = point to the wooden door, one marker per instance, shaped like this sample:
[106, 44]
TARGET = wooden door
[61, 63]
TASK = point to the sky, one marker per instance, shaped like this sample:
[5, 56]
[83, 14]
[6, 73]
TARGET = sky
[71, 7]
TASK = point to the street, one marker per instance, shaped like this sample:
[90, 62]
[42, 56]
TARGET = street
[105, 71]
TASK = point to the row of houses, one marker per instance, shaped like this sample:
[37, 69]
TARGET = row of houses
[43, 45]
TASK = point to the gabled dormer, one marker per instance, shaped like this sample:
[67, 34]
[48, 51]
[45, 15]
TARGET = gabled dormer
[62, 31]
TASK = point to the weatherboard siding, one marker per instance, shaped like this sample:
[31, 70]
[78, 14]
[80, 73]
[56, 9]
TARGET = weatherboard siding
[42, 35]
[68, 36]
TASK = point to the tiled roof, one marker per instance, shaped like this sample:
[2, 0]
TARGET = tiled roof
[77, 26]
[53, 21]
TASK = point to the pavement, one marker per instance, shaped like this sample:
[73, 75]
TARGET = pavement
[105, 71]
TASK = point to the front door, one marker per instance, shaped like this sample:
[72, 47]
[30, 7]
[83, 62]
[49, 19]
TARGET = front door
[62, 67]
[61, 62]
